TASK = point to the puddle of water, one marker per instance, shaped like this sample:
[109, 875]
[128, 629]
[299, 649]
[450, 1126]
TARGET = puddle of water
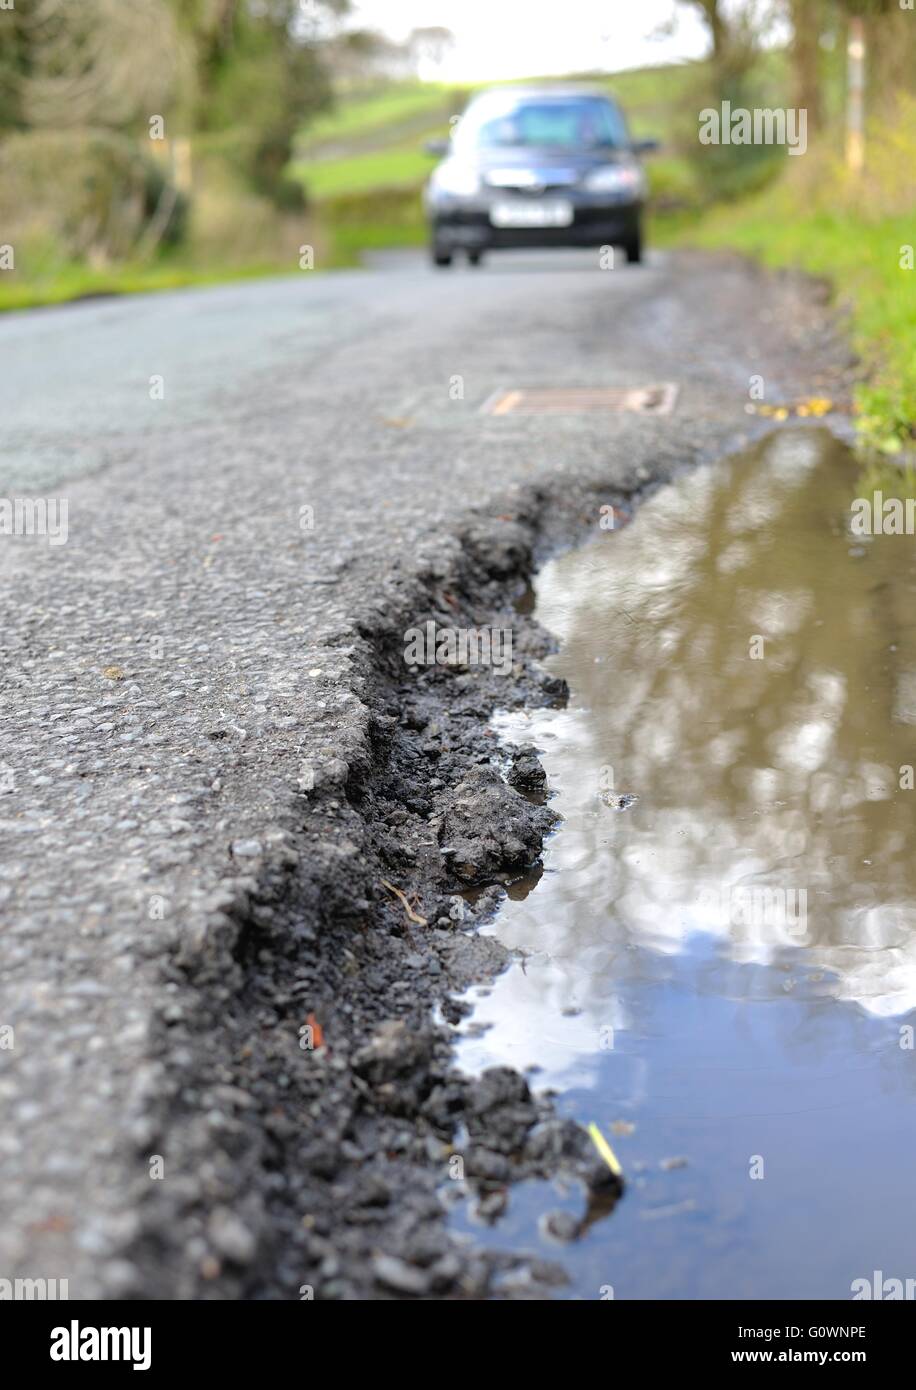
[720, 971]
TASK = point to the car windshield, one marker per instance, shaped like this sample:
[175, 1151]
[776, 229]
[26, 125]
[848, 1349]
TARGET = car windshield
[573, 122]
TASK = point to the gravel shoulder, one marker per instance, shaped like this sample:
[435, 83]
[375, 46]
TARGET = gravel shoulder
[214, 755]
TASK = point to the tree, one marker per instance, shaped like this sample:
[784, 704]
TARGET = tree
[712, 13]
[15, 60]
[265, 52]
[259, 69]
[807, 17]
[360, 55]
[736, 36]
[731, 74]
[430, 45]
[99, 63]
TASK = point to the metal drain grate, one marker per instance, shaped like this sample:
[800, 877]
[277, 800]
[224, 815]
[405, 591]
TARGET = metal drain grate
[574, 400]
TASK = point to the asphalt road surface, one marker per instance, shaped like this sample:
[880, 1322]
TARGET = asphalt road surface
[247, 471]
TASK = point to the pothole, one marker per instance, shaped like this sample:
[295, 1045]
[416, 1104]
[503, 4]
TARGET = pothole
[721, 977]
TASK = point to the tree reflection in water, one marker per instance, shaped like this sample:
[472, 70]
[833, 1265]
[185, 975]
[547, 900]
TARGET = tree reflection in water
[755, 777]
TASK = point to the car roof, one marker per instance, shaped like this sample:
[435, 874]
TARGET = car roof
[545, 90]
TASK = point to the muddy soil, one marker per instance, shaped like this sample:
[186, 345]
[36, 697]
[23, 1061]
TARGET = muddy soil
[317, 1092]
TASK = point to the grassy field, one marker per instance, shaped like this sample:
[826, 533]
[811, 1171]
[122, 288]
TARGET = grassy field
[361, 116]
[396, 166]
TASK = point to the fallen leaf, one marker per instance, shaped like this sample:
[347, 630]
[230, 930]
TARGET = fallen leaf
[317, 1031]
[56, 1224]
[815, 405]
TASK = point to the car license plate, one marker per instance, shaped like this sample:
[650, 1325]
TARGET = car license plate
[555, 212]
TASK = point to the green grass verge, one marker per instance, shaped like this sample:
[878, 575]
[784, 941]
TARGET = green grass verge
[348, 245]
[73, 283]
[861, 257]
[405, 166]
[368, 114]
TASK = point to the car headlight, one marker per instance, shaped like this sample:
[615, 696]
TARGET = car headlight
[456, 178]
[616, 178]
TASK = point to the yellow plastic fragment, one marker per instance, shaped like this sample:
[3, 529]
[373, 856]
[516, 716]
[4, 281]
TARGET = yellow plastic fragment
[817, 405]
[605, 1150]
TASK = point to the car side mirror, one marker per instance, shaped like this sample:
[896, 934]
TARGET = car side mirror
[437, 148]
[645, 146]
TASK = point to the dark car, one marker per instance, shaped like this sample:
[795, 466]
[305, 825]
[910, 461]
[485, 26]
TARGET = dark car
[543, 166]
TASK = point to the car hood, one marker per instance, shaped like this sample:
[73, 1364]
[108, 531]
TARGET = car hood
[508, 166]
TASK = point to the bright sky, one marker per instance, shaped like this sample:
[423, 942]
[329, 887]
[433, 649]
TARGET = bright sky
[528, 38]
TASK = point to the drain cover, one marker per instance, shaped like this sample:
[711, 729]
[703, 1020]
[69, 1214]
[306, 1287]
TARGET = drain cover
[573, 400]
